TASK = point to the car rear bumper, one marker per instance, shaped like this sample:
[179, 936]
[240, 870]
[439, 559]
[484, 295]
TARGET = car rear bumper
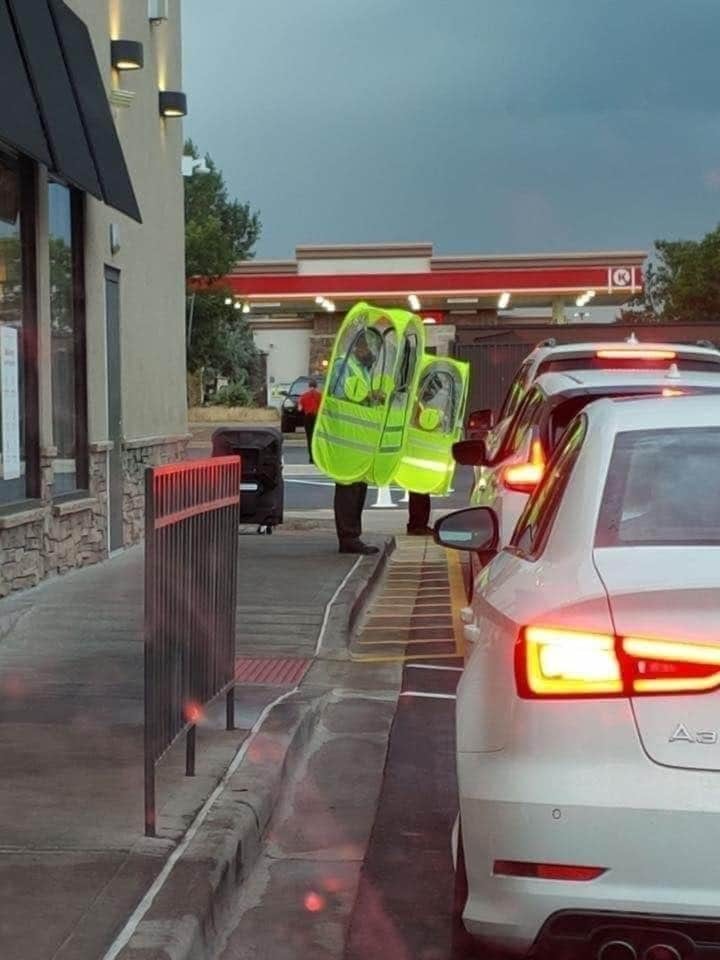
[581, 935]
[651, 828]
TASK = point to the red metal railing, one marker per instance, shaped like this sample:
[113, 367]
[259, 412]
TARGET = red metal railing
[192, 512]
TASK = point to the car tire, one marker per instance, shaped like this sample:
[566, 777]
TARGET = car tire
[287, 425]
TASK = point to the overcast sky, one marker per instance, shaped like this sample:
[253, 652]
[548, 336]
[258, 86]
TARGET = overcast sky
[481, 125]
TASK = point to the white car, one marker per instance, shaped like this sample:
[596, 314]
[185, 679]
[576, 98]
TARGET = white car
[549, 356]
[588, 713]
[504, 480]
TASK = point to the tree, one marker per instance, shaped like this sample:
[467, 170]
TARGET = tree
[683, 284]
[218, 233]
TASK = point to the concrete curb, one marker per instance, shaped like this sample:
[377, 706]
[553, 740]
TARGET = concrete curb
[187, 912]
[349, 604]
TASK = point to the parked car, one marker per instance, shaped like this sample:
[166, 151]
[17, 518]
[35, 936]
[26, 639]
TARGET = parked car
[588, 742]
[290, 416]
[506, 475]
[549, 356]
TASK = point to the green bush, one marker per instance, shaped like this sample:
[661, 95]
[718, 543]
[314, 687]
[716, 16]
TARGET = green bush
[233, 395]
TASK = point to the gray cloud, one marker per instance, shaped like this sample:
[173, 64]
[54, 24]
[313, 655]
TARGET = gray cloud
[479, 124]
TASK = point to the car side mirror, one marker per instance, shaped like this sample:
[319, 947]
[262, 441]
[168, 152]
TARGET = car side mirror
[470, 453]
[473, 529]
[480, 421]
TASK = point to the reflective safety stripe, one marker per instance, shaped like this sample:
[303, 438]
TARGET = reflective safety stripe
[340, 441]
[426, 445]
[433, 465]
[346, 418]
[394, 429]
[390, 449]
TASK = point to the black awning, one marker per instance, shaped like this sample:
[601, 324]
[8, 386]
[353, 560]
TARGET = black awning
[63, 126]
[20, 124]
[94, 110]
[54, 106]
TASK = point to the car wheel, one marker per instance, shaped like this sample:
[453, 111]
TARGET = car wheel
[287, 425]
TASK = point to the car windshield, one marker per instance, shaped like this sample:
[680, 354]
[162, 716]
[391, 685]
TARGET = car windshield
[662, 488]
[302, 384]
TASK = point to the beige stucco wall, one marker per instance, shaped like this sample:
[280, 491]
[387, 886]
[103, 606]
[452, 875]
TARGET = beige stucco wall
[151, 258]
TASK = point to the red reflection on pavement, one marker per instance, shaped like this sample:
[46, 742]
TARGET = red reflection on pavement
[193, 712]
[314, 902]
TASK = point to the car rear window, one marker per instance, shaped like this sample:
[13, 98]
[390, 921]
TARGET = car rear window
[593, 362]
[662, 488]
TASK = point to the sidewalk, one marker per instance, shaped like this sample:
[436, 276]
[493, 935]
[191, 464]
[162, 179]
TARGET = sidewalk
[73, 859]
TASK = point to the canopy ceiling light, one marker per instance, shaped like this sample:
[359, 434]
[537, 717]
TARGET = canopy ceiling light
[504, 301]
[127, 54]
[173, 103]
[414, 301]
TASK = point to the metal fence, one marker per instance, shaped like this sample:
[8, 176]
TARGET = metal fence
[191, 555]
[492, 368]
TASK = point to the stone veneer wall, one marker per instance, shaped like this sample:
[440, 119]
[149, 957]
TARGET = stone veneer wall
[46, 538]
[137, 455]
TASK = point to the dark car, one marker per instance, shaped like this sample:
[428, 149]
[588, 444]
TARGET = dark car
[290, 416]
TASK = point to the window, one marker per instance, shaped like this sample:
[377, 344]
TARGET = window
[525, 419]
[536, 521]
[438, 391]
[356, 367]
[19, 464]
[68, 339]
[662, 488]
[516, 392]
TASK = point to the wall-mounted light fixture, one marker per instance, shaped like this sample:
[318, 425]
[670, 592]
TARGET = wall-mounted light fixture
[173, 103]
[127, 54]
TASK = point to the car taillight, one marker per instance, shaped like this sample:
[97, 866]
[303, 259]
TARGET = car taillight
[546, 871]
[557, 662]
[524, 477]
[620, 353]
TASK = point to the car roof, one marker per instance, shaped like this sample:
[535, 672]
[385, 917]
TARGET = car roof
[626, 414]
[544, 350]
[577, 380]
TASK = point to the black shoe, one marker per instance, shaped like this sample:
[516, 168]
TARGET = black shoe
[420, 532]
[357, 546]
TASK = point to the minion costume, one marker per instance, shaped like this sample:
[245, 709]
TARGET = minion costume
[372, 426]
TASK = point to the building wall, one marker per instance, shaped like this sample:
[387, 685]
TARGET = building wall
[151, 258]
[288, 352]
[50, 536]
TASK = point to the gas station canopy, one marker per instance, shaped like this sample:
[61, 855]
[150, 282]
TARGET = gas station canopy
[335, 277]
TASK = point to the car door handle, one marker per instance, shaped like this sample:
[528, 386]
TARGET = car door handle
[472, 633]
[466, 614]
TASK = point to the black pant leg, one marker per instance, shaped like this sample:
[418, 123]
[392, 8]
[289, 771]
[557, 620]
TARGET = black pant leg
[309, 430]
[418, 511]
[348, 505]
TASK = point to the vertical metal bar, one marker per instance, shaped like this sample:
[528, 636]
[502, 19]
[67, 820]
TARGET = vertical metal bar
[190, 752]
[230, 709]
[149, 732]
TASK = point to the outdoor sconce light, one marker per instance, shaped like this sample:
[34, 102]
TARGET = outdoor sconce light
[127, 54]
[173, 103]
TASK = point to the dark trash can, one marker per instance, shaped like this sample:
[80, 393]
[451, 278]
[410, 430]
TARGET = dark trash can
[262, 495]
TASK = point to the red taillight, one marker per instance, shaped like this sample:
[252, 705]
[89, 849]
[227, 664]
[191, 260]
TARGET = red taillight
[524, 477]
[555, 662]
[620, 353]
[546, 871]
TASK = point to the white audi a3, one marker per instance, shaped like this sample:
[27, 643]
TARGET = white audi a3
[588, 714]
